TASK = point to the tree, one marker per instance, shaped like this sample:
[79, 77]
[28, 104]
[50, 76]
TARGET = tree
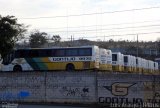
[10, 33]
[37, 39]
[56, 38]
[132, 50]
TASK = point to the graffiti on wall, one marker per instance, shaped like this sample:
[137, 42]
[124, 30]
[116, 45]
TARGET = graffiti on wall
[9, 96]
[75, 91]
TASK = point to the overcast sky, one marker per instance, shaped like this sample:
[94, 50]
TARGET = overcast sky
[89, 19]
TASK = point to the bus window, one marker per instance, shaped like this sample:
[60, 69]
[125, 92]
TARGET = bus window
[114, 57]
[125, 59]
[12, 55]
[85, 52]
[136, 61]
[34, 53]
[58, 52]
[6, 60]
[45, 52]
[71, 52]
[20, 54]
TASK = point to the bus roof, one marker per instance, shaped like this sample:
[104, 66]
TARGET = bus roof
[58, 47]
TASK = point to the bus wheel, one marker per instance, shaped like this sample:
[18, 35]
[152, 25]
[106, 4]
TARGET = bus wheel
[17, 68]
[70, 67]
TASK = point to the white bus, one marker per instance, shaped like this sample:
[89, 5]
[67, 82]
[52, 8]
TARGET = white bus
[127, 63]
[61, 58]
[134, 67]
[156, 68]
[117, 62]
[105, 60]
[139, 65]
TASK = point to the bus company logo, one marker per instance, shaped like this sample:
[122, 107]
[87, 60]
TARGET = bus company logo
[119, 88]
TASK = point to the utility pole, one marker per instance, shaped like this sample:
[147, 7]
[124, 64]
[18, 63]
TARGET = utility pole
[71, 38]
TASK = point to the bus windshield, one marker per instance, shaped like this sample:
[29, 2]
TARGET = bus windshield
[8, 58]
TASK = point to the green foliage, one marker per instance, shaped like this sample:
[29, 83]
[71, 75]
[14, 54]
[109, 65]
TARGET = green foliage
[10, 33]
[37, 39]
[56, 38]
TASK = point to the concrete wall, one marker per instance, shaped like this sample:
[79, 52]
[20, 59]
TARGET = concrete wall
[48, 87]
[79, 87]
[70, 87]
[22, 87]
[128, 88]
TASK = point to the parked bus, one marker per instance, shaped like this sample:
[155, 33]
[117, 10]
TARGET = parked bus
[139, 65]
[134, 64]
[127, 63]
[156, 68]
[105, 60]
[61, 58]
[145, 66]
[117, 62]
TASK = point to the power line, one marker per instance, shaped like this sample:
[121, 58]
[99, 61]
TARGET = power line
[102, 31]
[116, 35]
[129, 27]
[75, 15]
[150, 21]
[143, 33]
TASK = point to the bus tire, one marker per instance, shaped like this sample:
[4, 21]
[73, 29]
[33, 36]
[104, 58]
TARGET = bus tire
[70, 67]
[17, 68]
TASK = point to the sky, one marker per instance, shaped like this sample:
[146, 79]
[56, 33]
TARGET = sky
[99, 20]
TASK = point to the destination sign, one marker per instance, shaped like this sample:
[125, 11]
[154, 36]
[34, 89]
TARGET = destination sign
[65, 59]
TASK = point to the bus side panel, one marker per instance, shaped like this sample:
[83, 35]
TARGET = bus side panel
[47, 64]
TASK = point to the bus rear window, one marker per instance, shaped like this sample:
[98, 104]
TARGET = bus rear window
[114, 57]
[136, 61]
[125, 59]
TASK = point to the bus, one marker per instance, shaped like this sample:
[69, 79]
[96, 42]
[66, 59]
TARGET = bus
[45, 59]
[144, 65]
[127, 63]
[117, 62]
[139, 65]
[157, 60]
[156, 68]
[105, 60]
[134, 68]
